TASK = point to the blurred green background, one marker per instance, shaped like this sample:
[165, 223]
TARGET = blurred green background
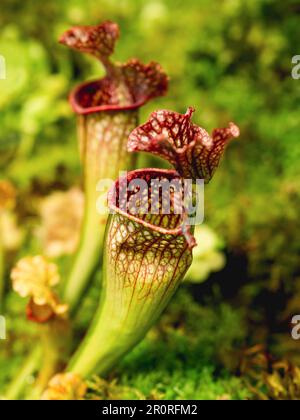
[231, 60]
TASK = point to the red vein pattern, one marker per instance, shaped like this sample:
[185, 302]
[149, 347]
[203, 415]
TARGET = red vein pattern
[146, 257]
[98, 40]
[126, 86]
[107, 112]
[189, 148]
[148, 253]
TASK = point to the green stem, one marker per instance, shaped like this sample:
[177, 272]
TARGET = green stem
[103, 143]
[18, 384]
[55, 348]
[26, 146]
[112, 336]
[132, 298]
[87, 256]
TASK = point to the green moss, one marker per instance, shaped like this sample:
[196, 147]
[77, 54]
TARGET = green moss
[199, 383]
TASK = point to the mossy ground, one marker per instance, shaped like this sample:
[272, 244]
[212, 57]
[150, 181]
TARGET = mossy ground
[179, 359]
[202, 350]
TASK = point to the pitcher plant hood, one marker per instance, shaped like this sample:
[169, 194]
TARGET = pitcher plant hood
[125, 86]
[189, 148]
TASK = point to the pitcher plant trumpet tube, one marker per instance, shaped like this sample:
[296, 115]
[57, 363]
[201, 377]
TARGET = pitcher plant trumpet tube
[107, 111]
[147, 254]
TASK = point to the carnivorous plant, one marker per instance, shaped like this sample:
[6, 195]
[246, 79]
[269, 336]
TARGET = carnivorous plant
[107, 111]
[146, 257]
[148, 249]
